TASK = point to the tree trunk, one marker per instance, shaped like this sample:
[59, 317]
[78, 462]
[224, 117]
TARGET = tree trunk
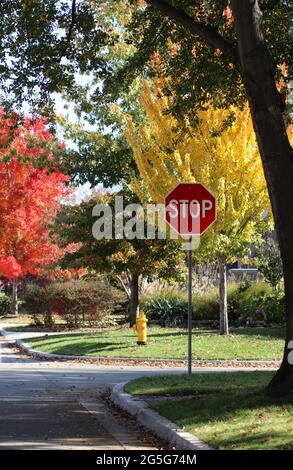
[224, 325]
[266, 107]
[134, 298]
[14, 302]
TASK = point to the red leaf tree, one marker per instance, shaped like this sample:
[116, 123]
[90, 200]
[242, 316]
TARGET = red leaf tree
[31, 190]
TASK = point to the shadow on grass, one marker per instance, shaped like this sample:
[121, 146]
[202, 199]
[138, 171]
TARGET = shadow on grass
[84, 337]
[273, 332]
[257, 441]
[106, 343]
[237, 418]
[80, 348]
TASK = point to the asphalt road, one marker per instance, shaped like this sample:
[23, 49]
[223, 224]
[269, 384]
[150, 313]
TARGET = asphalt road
[44, 405]
[57, 405]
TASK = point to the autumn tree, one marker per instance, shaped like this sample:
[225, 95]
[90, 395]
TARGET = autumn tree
[227, 162]
[30, 196]
[235, 50]
[229, 53]
[127, 261]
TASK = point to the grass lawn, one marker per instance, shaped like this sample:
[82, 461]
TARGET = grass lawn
[244, 343]
[227, 410]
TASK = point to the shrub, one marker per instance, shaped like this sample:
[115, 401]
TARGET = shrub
[168, 307]
[5, 305]
[76, 301]
[235, 292]
[205, 306]
[84, 301]
[238, 293]
[112, 320]
[256, 302]
[270, 263]
[267, 307]
[256, 289]
[274, 307]
[38, 304]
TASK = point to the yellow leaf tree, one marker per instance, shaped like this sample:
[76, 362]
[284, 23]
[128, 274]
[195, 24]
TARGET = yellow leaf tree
[223, 157]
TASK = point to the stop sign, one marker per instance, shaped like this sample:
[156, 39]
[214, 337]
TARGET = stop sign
[190, 208]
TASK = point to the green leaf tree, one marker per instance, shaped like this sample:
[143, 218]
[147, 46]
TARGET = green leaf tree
[269, 263]
[128, 261]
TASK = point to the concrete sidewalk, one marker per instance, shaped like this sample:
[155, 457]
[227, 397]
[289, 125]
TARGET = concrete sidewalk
[14, 335]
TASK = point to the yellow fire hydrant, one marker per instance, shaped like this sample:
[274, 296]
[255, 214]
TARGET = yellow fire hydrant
[141, 328]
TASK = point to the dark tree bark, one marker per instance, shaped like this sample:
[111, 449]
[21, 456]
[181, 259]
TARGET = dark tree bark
[14, 302]
[224, 323]
[134, 298]
[266, 110]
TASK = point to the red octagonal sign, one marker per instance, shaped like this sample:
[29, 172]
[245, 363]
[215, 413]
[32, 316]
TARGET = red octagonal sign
[190, 208]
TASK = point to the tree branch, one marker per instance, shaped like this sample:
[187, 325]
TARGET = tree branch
[205, 32]
[70, 30]
[126, 289]
[73, 15]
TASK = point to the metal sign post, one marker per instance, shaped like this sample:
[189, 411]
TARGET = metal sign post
[190, 209]
[189, 255]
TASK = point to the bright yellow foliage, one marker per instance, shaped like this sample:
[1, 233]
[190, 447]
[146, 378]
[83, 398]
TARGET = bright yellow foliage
[227, 162]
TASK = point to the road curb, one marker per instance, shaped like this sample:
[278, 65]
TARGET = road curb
[138, 361]
[154, 422]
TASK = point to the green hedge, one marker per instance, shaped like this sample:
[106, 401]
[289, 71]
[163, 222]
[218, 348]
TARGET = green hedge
[246, 303]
